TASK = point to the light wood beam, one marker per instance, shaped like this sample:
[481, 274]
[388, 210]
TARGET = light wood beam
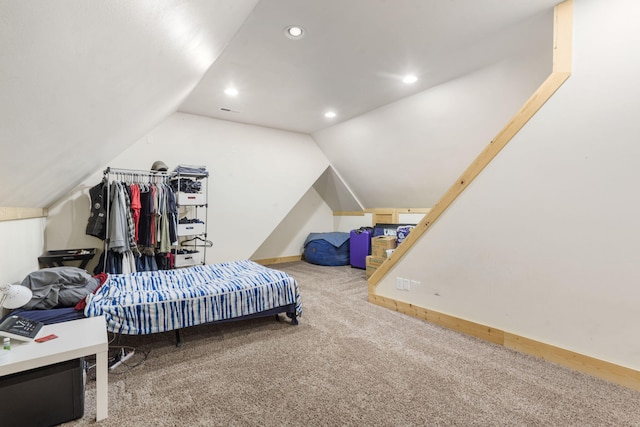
[278, 260]
[11, 214]
[348, 213]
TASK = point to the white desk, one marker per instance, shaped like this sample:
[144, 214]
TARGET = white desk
[77, 338]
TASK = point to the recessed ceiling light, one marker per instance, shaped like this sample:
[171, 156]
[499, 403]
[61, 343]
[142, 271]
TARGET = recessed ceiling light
[231, 91]
[410, 78]
[294, 32]
[329, 114]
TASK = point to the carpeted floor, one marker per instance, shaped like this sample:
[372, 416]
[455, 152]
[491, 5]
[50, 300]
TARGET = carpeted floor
[348, 363]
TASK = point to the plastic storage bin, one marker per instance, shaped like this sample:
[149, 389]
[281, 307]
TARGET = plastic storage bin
[44, 396]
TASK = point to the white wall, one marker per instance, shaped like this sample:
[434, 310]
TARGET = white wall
[545, 242]
[348, 223]
[257, 175]
[310, 215]
[22, 245]
[407, 154]
[409, 218]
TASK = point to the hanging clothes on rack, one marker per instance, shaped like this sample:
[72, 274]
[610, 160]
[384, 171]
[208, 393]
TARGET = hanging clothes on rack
[146, 207]
[96, 226]
[141, 220]
[135, 208]
[118, 227]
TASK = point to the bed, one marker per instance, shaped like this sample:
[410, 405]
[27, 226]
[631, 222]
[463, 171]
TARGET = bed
[165, 300]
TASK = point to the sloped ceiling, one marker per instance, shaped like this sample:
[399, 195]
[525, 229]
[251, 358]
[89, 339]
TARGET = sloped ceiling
[81, 80]
[333, 190]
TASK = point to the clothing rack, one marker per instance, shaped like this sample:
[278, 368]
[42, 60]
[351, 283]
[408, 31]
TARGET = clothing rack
[134, 175]
[129, 176]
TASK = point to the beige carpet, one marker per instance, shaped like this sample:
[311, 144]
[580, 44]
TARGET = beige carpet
[348, 363]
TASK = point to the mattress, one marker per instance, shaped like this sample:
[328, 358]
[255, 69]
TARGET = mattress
[158, 301]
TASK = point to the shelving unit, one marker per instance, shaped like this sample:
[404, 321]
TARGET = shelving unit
[191, 190]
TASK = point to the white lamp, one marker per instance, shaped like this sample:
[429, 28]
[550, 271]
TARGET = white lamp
[14, 296]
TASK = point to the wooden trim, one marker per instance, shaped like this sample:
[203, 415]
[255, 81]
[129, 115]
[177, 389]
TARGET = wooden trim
[402, 210]
[353, 213]
[451, 322]
[382, 211]
[278, 260]
[394, 212]
[563, 37]
[378, 212]
[413, 210]
[589, 365]
[10, 214]
[561, 72]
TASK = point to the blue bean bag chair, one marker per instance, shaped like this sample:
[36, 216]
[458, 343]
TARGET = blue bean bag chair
[330, 249]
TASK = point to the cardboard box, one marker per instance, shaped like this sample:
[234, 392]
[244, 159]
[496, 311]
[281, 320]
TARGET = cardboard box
[380, 244]
[372, 263]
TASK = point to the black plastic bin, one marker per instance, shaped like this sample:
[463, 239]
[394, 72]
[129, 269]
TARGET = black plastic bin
[44, 396]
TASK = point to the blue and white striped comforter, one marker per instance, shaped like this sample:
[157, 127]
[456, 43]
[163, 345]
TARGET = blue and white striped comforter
[158, 301]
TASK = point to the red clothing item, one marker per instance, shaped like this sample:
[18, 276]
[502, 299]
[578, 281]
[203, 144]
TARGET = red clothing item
[154, 212]
[136, 206]
[102, 277]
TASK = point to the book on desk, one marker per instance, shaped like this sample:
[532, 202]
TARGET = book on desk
[20, 328]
